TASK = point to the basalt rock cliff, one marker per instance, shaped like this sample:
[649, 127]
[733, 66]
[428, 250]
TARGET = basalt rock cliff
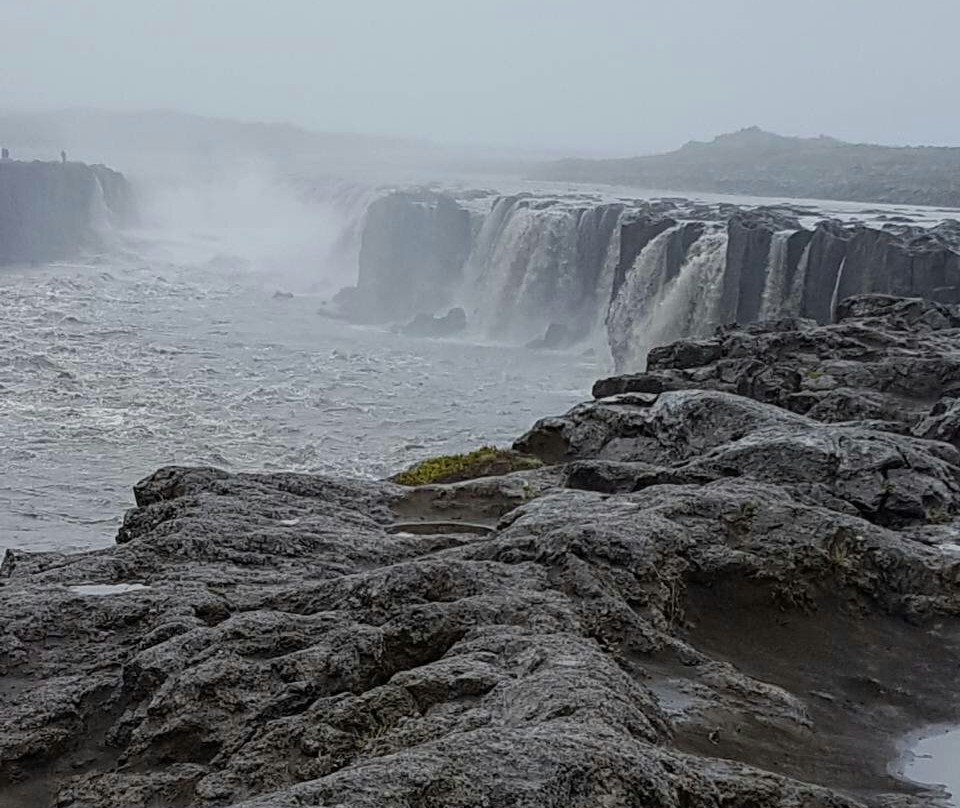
[412, 249]
[632, 273]
[736, 583]
[52, 211]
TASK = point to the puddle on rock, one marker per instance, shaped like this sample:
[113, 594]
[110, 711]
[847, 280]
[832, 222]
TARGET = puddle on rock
[106, 589]
[934, 760]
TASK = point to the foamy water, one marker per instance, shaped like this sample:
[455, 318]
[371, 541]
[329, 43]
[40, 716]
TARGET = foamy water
[116, 366]
[935, 760]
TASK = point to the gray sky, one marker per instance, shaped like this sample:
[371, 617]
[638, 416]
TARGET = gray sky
[585, 76]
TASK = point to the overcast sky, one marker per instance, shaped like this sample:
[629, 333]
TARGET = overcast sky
[585, 76]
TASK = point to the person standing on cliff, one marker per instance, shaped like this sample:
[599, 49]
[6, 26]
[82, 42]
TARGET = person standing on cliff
[63, 157]
[5, 155]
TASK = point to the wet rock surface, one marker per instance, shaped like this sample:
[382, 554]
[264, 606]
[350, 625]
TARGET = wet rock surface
[715, 595]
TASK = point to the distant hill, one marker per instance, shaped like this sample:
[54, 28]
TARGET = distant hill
[761, 163]
[158, 142]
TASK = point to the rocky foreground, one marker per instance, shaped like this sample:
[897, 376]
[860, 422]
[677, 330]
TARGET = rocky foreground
[736, 583]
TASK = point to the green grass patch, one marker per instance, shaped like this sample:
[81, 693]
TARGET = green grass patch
[487, 461]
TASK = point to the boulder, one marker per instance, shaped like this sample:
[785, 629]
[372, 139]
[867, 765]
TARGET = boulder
[426, 325]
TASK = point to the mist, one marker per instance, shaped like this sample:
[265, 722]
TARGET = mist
[612, 77]
[250, 219]
[506, 403]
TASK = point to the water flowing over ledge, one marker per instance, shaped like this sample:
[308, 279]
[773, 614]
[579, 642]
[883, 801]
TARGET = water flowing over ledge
[630, 274]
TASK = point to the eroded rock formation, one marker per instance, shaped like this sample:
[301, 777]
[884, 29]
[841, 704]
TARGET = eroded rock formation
[737, 582]
[51, 211]
[634, 273]
[412, 250]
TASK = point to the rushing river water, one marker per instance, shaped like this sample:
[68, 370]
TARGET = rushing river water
[115, 366]
[935, 760]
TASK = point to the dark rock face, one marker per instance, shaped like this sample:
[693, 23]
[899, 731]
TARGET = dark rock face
[749, 242]
[714, 597]
[412, 251]
[51, 211]
[647, 272]
[772, 268]
[425, 325]
[887, 358]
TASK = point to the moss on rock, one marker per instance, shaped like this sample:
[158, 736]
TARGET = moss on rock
[487, 461]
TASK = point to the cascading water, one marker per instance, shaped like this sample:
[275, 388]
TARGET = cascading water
[641, 285]
[688, 304]
[102, 217]
[649, 311]
[774, 290]
[598, 330]
[835, 298]
[514, 253]
[794, 299]
[532, 265]
[347, 203]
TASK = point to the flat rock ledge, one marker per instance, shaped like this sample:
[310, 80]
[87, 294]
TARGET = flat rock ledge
[736, 584]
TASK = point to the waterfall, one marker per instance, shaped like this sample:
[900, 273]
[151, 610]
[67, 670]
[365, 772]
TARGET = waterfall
[604, 293]
[773, 302]
[650, 310]
[688, 305]
[533, 264]
[834, 299]
[512, 261]
[344, 207]
[640, 286]
[794, 301]
[101, 215]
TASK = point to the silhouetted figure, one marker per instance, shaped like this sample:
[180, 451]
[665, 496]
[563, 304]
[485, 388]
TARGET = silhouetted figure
[63, 157]
[4, 155]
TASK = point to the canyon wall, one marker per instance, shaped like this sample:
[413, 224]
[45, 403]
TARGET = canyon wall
[633, 273]
[412, 250]
[52, 211]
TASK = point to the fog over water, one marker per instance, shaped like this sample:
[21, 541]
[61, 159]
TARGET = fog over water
[170, 347]
[198, 322]
[616, 76]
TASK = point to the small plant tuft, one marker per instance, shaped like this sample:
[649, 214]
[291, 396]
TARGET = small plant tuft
[487, 461]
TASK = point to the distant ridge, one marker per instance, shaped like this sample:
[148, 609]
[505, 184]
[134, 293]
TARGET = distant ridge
[158, 142]
[757, 162]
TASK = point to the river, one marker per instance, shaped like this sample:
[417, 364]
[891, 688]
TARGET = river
[150, 354]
